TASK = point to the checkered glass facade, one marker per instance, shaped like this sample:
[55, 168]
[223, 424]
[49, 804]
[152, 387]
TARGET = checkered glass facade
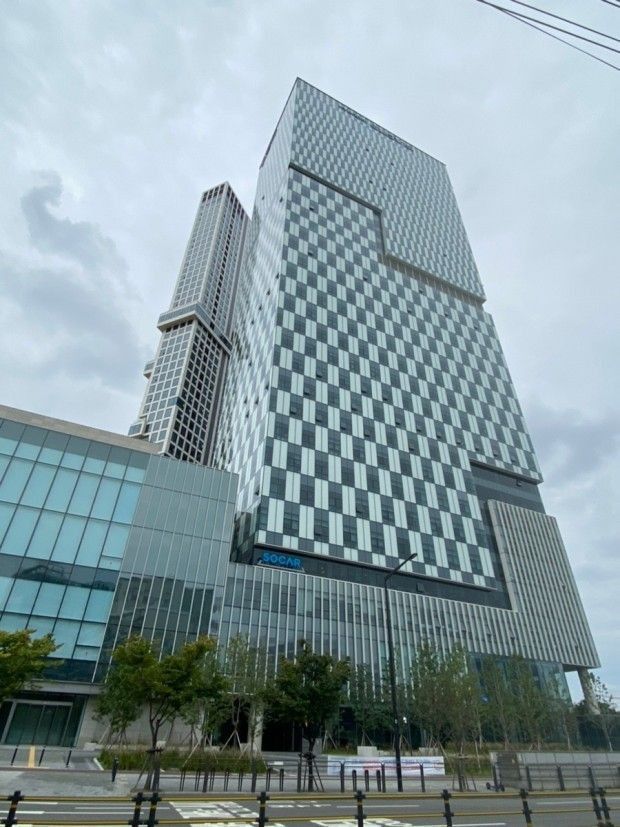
[368, 375]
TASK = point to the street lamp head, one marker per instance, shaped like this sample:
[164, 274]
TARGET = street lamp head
[400, 565]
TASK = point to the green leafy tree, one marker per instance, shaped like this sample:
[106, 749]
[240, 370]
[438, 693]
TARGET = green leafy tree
[307, 691]
[22, 659]
[430, 698]
[533, 706]
[499, 713]
[370, 708]
[211, 705]
[139, 680]
[460, 683]
[244, 666]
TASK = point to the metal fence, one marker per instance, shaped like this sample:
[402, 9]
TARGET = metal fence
[143, 809]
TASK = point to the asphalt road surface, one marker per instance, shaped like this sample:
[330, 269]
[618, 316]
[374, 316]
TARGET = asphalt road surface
[565, 810]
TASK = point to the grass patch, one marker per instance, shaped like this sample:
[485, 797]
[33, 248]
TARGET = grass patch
[174, 759]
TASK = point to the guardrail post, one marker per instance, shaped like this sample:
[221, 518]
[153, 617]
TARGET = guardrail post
[367, 781]
[262, 799]
[11, 818]
[182, 780]
[378, 781]
[604, 807]
[560, 778]
[596, 808]
[253, 782]
[197, 775]
[359, 797]
[447, 812]
[354, 779]
[240, 782]
[528, 778]
[281, 780]
[226, 780]
[382, 777]
[342, 776]
[422, 780]
[527, 813]
[268, 779]
[135, 820]
[152, 817]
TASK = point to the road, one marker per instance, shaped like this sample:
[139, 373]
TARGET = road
[566, 810]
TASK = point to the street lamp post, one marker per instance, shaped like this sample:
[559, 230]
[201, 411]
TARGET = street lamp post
[390, 641]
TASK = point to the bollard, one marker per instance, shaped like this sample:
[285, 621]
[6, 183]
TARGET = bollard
[262, 799]
[152, 817]
[528, 776]
[593, 783]
[14, 755]
[378, 781]
[11, 818]
[604, 807]
[527, 813]
[41, 756]
[354, 779]
[299, 775]
[68, 758]
[135, 819]
[226, 780]
[367, 781]
[281, 779]
[560, 778]
[595, 806]
[422, 780]
[382, 777]
[115, 763]
[447, 812]
[359, 797]
[240, 782]
[342, 776]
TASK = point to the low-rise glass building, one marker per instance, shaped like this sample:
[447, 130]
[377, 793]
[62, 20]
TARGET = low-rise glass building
[100, 538]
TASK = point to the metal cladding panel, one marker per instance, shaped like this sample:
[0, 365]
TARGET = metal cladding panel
[549, 613]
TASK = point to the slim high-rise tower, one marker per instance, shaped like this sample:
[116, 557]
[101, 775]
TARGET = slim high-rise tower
[185, 379]
[370, 414]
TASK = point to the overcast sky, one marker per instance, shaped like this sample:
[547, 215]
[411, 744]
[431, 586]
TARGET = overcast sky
[116, 116]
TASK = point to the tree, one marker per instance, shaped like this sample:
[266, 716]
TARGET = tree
[245, 669]
[370, 710]
[138, 679]
[498, 709]
[307, 691]
[211, 705]
[533, 705]
[430, 698]
[460, 683]
[22, 659]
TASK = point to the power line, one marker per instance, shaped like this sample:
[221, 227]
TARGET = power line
[565, 20]
[554, 36]
[524, 17]
[611, 3]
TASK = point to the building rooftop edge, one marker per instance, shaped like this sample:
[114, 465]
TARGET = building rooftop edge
[387, 132]
[75, 429]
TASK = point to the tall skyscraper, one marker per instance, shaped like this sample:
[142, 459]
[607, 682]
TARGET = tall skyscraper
[370, 414]
[185, 379]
